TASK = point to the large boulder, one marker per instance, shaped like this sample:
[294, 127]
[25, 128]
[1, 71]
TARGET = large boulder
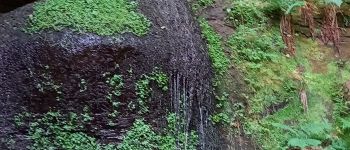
[44, 71]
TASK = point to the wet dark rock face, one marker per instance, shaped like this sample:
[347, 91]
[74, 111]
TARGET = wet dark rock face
[64, 58]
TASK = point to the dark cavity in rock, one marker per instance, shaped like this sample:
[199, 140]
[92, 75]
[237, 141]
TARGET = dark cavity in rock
[9, 5]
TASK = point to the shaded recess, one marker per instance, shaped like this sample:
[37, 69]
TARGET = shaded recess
[10, 5]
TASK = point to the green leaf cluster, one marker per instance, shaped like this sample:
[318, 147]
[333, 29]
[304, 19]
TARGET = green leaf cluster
[201, 4]
[116, 83]
[217, 55]
[143, 87]
[246, 12]
[103, 17]
[311, 135]
[142, 136]
[56, 131]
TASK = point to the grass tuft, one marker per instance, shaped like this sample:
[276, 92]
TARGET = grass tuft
[103, 17]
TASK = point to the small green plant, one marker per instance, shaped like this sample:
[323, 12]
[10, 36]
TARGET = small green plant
[311, 135]
[57, 131]
[47, 83]
[116, 83]
[87, 116]
[8, 142]
[175, 135]
[143, 88]
[21, 118]
[256, 45]
[200, 4]
[142, 136]
[221, 116]
[333, 2]
[103, 17]
[220, 61]
[82, 85]
[245, 12]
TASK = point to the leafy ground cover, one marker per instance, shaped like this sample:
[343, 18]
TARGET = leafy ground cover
[274, 114]
[103, 17]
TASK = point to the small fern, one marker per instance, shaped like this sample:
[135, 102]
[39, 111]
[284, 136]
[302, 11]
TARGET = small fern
[302, 143]
[293, 6]
[345, 123]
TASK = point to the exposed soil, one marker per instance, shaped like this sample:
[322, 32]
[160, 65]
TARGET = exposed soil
[321, 65]
[329, 53]
[216, 17]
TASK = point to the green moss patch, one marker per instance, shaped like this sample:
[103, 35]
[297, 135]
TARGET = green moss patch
[103, 17]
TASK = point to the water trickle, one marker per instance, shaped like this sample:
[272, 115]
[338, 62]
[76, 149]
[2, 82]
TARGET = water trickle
[185, 100]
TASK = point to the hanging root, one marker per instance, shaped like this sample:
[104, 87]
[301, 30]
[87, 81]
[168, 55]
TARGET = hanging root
[288, 33]
[330, 29]
[307, 15]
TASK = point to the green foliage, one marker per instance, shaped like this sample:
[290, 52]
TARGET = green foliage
[219, 60]
[176, 135]
[8, 142]
[302, 143]
[286, 7]
[275, 81]
[47, 83]
[52, 131]
[82, 85]
[87, 116]
[143, 87]
[293, 6]
[116, 83]
[311, 134]
[341, 113]
[20, 119]
[205, 2]
[255, 44]
[257, 53]
[221, 116]
[103, 17]
[200, 4]
[246, 12]
[142, 136]
[345, 123]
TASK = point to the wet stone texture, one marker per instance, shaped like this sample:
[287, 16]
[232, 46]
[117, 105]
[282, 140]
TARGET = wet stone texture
[44, 71]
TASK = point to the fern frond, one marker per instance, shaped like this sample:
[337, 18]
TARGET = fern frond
[294, 5]
[345, 123]
[302, 143]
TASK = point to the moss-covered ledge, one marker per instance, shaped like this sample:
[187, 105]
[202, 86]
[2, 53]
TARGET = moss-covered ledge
[103, 17]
